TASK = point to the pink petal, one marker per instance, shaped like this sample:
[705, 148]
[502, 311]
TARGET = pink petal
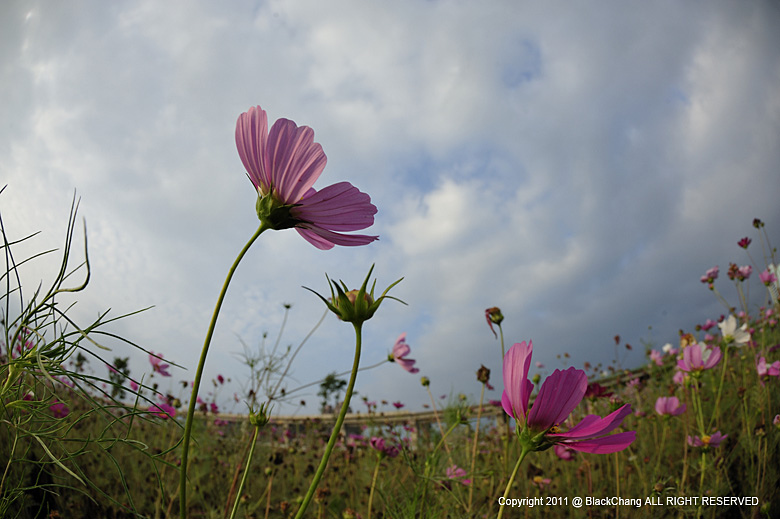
[408, 365]
[338, 207]
[713, 359]
[324, 239]
[251, 138]
[400, 348]
[561, 392]
[517, 387]
[593, 425]
[294, 160]
[605, 445]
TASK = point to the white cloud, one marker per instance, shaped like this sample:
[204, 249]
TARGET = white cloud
[565, 163]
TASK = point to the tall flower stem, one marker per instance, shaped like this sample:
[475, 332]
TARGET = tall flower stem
[373, 485]
[185, 450]
[339, 421]
[438, 422]
[523, 454]
[474, 446]
[246, 472]
[716, 412]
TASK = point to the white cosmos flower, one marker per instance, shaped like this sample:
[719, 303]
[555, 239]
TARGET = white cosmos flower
[728, 327]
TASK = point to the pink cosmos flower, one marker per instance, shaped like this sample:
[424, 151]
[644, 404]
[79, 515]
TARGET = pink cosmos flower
[561, 392]
[385, 449]
[767, 277]
[744, 272]
[669, 405]
[744, 242]
[134, 386]
[540, 482]
[707, 441]
[711, 275]
[283, 165]
[709, 323]
[400, 351]
[657, 357]
[697, 358]
[398, 405]
[163, 410]
[563, 452]
[764, 370]
[158, 366]
[59, 410]
[455, 472]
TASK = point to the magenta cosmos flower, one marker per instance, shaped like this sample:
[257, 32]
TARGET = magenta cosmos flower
[697, 358]
[707, 441]
[669, 405]
[283, 165]
[539, 427]
[400, 351]
[158, 366]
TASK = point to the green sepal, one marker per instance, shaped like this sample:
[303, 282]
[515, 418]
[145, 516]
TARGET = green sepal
[364, 305]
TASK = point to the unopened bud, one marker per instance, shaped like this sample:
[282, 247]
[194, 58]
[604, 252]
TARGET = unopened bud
[483, 374]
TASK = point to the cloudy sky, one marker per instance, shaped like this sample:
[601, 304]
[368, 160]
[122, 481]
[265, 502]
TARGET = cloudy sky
[578, 166]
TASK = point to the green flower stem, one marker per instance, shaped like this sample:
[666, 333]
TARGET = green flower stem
[246, 472]
[185, 450]
[373, 485]
[474, 446]
[429, 466]
[716, 412]
[438, 421]
[523, 454]
[339, 421]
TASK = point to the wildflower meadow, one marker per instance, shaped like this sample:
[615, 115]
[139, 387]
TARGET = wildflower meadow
[694, 432]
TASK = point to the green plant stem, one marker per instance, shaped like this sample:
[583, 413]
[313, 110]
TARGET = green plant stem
[339, 421]
[429, 465]
[523, 454]
[474, 447]
[373, 485]
[716, 409]
[246, 472]
[185, 450]
[438, 422]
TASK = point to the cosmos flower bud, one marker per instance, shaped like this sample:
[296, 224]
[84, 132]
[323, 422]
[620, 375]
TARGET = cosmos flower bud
[493, 316]
[355, 306]
[483, 375]
[425, 381]
[260, 417]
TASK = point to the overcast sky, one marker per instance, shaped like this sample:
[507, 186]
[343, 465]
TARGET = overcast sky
[578, 165]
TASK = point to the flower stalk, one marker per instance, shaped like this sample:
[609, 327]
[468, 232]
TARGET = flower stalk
[199, 374]
[337, 427]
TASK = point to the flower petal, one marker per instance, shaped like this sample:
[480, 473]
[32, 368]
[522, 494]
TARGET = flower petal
[294, 160]
[251, 139]
[324, 239]
[338, 207]
[605, 445]
[593, 425]
[517, 387]
[561, 392]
